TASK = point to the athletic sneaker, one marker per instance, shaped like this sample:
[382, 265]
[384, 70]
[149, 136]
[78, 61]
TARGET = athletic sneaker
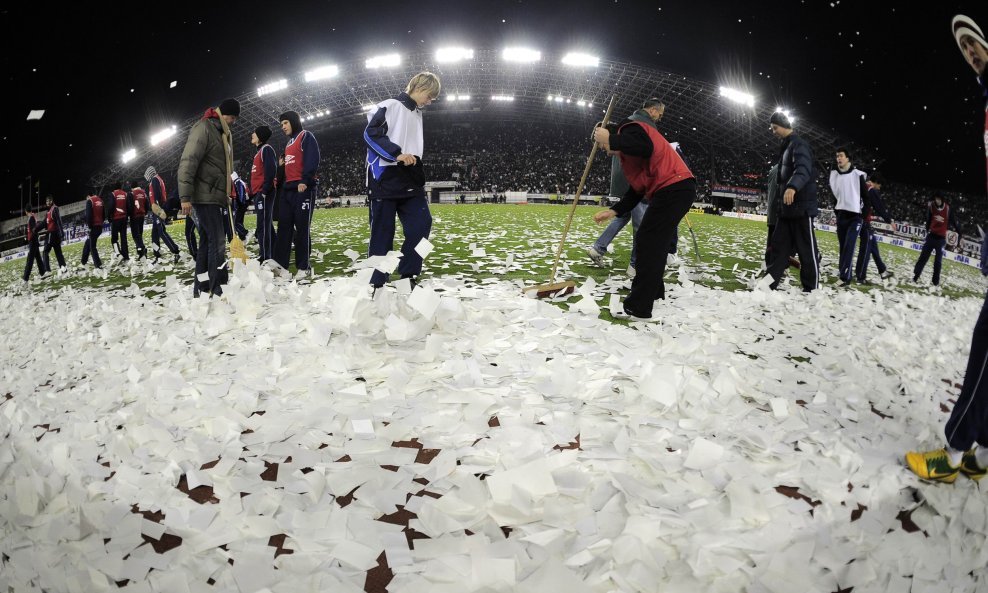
[970, 467]
[630, 272]
[886, 274]
[595, 256]
[932, 465]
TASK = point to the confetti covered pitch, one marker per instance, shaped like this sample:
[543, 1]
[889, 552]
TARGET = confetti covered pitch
[464, 437]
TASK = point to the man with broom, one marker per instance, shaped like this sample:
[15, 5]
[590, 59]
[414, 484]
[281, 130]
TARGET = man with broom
[204, 188]
[656, 174]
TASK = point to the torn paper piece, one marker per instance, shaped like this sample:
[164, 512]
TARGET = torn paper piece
[704, 454]
[424, 248]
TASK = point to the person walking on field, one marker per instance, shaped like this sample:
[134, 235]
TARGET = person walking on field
[968, 423]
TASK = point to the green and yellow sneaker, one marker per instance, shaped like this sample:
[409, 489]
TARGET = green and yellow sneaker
[970, 467]
[933, 465]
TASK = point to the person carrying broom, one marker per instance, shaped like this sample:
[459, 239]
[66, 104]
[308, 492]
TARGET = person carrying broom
[204, 178]
[656, 174]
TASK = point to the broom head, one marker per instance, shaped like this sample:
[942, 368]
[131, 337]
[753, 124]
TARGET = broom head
[555, 289]
[237, 250]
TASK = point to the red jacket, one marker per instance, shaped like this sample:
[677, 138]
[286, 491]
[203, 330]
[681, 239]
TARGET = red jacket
[664, 168]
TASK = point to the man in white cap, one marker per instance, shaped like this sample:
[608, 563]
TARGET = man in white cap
[968, 423]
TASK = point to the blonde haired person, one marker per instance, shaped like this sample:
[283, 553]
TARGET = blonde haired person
[395, 177]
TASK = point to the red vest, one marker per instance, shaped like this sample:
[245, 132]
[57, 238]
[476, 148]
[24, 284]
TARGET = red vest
[50, 219]
[119, 205]
[155, 199]
[257, 172]
[31, 222]
[662, 169]
[97, 204]
[140, 202]
[293, 158]
[940, 218]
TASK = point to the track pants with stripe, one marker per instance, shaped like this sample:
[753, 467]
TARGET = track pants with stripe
[848, 229]
[968, 422]
[264, 232]
[137, 232]
[118, 237]
[868, 250]
[795, 233]
[294, 216]
[53, 241]
[160, 234]
[934, 244]
[416, 224]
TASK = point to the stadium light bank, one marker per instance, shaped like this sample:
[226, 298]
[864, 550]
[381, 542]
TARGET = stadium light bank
[737, 96]
[581, 59]
[521, 54]
[128, 155]
[163, 135]
[385, 61]
[448, 55]
[322, 73]
[272, 87]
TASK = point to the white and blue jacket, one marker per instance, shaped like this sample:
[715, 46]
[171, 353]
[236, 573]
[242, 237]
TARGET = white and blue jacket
[394, 127]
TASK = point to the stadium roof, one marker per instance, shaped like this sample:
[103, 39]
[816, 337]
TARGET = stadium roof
[543, 91]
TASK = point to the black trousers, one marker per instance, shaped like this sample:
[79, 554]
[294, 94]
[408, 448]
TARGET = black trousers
[968, 423]
[90, 246]
[137, 231]
[53, 241]
[190, 237]
[798, 234]
[118, 236]
[667, 207]
[33, 255]
[211, 255]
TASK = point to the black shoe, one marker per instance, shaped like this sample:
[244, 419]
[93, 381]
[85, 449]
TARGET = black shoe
[845, 283]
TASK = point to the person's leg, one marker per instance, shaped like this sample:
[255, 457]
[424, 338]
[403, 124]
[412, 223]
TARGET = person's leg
[85, 247]
[781, 246]
[768, 245]
[270, 235]
[637, 214]
[843, 220]
[806, 247]
[212, 248]
[165, 237]
[286, 227]
[416, 224]
[924, 255]
[190, 238]
[666, 209]
[239, 212]
[938, 249]
[261, 226]
[381, 216]
[31, 256]
[93, 243]
[303, 222]
[610, 231]
[864, 254]
[876, 255]
[852, 229]
[46, 260]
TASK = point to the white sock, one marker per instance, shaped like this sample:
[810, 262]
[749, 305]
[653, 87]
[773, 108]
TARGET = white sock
[954, 455]
[981, 456]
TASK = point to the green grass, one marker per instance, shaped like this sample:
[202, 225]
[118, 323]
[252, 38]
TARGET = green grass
[731, 252]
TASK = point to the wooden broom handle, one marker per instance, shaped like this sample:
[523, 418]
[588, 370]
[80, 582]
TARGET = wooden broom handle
[579, 190]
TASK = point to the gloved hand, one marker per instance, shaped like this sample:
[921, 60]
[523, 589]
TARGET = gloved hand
[984, 255]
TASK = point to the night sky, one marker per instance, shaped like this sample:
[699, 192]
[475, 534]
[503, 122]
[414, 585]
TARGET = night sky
[889, 78]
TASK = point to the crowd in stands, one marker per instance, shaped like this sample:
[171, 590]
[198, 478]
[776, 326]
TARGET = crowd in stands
[496, 157]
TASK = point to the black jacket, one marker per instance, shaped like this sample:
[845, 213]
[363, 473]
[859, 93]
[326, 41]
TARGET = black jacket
[796, 171]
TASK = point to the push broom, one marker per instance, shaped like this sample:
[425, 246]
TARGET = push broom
[553, 288]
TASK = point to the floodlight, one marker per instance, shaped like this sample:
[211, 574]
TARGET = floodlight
[558, 99]
[128, 155]
[502, 98]
[579, 59]
[453, 54]
[384, 61]
[322, 73]
[272, 87]
[521, 54]
[163, 135]
[737, 96]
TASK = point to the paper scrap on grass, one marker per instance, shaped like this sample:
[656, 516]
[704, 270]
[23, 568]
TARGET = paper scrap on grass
[424, 300]
[424, 248]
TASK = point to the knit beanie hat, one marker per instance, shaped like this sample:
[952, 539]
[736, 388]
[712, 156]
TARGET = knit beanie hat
[263, 133]
[230, 107]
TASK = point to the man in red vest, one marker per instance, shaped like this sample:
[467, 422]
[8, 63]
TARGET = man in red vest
[94, 220]
[53, 223]
[657, 174]
[262, 182]
[33, 246]
[968, 423]
[939, 217]
[298, 195]
[138, 210]
[118, 208]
